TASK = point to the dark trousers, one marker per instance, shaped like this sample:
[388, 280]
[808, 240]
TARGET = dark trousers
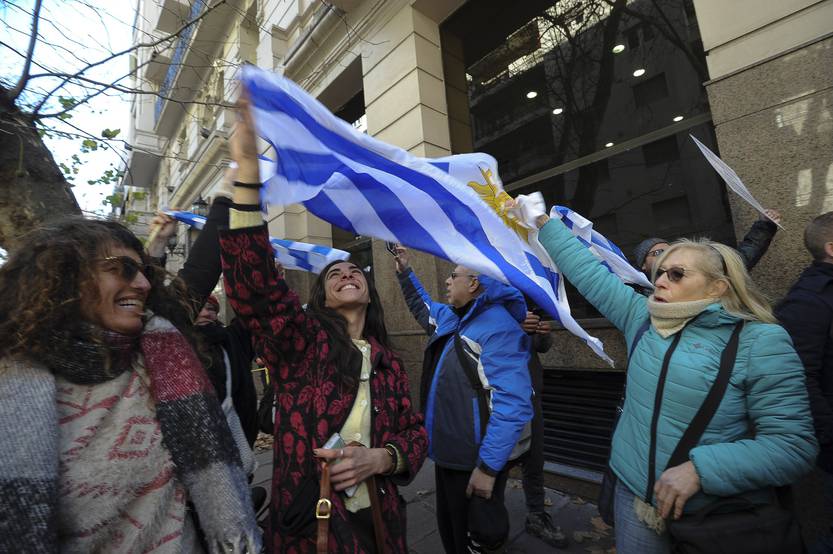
[452, 506]
[533, 461]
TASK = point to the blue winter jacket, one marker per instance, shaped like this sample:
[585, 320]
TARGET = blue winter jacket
[491, 335]
[762, 434]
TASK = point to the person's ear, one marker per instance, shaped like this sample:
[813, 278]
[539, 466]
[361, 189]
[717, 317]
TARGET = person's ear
[718, 288]
[828, 250]
[474, 284]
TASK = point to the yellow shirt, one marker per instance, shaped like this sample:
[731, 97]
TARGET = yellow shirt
[357, 425]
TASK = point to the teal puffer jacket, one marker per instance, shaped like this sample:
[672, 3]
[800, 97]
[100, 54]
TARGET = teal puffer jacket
[762, 434]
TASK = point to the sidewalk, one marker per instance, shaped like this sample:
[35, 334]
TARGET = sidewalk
[577, 518]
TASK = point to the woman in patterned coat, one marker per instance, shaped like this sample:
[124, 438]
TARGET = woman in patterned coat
[333, 371]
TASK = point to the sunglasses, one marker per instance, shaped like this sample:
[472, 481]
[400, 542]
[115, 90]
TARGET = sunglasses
[127, 267]
[674, 274]
[655, 253]
[454, 275]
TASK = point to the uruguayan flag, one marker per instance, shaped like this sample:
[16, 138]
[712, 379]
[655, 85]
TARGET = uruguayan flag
[608, 253]
[371, 188]
[291, 254]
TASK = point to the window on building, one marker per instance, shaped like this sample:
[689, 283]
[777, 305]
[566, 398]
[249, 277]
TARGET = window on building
[661, 151]
[649, 91]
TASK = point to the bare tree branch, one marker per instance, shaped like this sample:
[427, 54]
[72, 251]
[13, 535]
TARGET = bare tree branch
[12, 94]
[127, 51]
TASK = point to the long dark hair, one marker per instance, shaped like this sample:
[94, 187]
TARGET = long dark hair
[341, 346]
[41, 284]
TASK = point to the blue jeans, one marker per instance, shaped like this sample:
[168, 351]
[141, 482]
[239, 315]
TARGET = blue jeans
[633, 536]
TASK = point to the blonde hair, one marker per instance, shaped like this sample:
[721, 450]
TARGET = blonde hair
[719, 262]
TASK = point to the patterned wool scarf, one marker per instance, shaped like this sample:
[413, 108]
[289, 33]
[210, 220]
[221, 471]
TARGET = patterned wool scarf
[193, 425]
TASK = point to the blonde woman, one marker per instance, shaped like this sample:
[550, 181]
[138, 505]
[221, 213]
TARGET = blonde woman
[761, 435]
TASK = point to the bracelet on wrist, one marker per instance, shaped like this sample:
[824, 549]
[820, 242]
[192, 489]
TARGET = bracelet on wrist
[394, 457]
[254, 186]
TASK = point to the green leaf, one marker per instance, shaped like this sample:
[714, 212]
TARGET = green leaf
[110, 133]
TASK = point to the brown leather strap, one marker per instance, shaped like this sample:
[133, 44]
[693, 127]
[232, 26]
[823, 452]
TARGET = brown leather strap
[376, 511]
[323, 510]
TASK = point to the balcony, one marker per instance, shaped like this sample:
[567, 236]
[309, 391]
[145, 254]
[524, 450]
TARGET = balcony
[193, 53]
[172, 15]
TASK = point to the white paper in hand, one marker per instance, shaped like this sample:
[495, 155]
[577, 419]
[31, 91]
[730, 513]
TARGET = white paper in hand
[731, 178]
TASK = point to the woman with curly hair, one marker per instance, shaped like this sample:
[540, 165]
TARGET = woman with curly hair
[111, 437]
[333, 372]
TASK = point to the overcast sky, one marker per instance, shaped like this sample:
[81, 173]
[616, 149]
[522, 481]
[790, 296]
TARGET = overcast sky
[73, 33]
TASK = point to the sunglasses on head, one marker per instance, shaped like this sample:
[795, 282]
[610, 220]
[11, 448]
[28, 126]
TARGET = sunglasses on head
[127, 267]
[674, 274]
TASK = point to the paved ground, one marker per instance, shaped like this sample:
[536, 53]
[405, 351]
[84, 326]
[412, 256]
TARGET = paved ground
[578, 518]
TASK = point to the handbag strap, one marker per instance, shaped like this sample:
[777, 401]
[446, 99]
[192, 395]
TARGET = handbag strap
[323, 509]
[652, 451]
[709, 407]
[376, 512]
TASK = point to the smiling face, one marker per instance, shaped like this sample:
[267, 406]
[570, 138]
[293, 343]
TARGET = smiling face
[116, 303]
[694, 284]
[345, 286]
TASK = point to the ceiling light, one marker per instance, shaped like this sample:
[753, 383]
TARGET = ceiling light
[619, 48]
[531, 94]
[639, 72]
[557, 111]
[608, 145]
[678, 118]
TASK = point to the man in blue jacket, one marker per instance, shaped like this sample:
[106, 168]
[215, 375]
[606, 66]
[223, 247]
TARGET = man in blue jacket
[807, 315]
[475, 392]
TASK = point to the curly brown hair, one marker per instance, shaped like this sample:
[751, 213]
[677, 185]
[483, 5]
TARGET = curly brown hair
[41, 284]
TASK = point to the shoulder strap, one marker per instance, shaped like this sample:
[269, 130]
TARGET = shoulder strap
[470, 368]
[706, 412]
[638, 336]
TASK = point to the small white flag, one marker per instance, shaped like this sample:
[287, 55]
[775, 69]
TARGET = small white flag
[731, 178]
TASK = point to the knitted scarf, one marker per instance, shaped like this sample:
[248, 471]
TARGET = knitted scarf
[670, 317]
[193, 426]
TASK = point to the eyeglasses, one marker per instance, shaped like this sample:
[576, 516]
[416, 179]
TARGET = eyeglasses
[655, 253]
[127, 267]
[674, 274]
[454, 275]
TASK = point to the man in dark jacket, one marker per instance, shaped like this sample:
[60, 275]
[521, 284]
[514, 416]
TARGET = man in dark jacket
[476, 394]
[807, 314]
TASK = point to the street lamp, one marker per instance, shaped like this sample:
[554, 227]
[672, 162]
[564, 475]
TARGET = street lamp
[200, 206]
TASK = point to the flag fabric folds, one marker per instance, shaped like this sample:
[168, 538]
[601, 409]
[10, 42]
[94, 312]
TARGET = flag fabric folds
[374, 189]
[298, 255]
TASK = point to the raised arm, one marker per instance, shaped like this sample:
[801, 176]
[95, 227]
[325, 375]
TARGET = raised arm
[257, 292]
[426, 312]
[619, 303]
[757, 240]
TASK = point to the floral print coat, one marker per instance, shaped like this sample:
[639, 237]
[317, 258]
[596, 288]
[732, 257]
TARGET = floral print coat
[311, 404]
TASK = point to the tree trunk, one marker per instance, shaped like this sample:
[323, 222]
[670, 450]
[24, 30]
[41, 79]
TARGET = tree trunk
[33, 190]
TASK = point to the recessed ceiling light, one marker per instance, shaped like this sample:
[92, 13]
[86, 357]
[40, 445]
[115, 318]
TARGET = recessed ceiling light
[678, 118]
[531, 94]
[557, 111]
[639, 72]
[619, 48]
[608, 145]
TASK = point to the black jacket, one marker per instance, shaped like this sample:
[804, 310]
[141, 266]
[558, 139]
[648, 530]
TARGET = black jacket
[200, 273]
[756, 242]
[807, 314]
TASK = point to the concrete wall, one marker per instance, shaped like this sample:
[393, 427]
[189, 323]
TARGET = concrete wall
[771, 96]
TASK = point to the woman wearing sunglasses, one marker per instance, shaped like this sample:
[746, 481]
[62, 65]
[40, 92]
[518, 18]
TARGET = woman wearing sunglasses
[761, 435]
[334, 375]
[111, 437]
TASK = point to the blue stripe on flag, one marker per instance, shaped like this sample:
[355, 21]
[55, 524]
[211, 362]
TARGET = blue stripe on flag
[464, 219]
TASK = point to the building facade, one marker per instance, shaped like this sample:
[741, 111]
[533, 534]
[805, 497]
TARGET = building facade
[589, 101]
